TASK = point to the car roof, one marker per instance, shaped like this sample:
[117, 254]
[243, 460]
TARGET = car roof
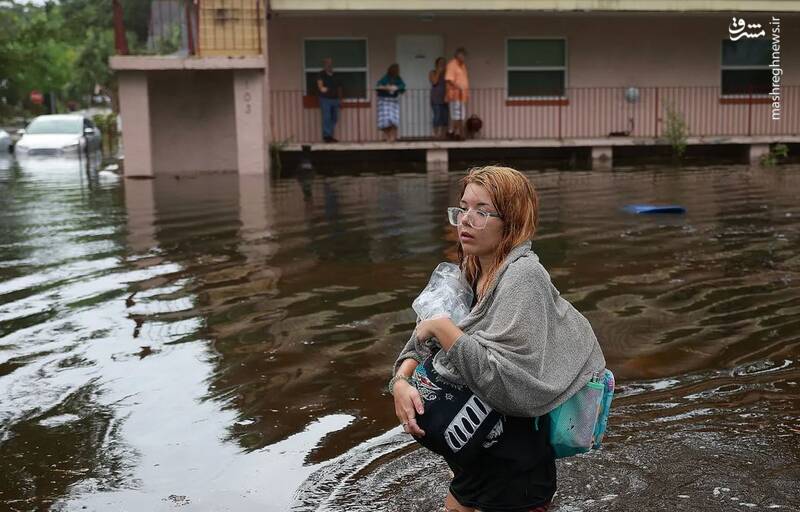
[63, 116]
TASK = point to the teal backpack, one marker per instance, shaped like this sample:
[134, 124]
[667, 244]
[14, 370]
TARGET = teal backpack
[578, 425]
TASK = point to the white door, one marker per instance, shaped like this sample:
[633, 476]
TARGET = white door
[416, 55]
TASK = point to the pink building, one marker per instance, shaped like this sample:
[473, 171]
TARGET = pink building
[547, 73]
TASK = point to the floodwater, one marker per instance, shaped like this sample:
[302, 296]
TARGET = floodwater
[222, 344]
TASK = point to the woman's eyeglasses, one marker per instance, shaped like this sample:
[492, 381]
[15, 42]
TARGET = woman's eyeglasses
[477, 218]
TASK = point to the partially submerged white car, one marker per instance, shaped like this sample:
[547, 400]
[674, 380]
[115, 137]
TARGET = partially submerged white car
[58, 135]
[5, 141]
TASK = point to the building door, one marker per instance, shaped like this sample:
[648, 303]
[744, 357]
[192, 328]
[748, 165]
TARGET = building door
[416, 55]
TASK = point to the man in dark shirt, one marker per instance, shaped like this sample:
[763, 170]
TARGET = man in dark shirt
[330, 94]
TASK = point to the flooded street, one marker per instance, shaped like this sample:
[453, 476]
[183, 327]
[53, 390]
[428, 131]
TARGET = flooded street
[218, 343]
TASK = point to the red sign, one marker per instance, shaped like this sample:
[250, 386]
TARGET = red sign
[37, 98]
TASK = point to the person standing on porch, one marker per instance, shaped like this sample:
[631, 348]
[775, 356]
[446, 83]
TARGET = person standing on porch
[457, 92]
[389, 88]
[441, 118]
[329, 89]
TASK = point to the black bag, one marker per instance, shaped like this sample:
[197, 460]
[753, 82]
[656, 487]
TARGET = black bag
[456, 422]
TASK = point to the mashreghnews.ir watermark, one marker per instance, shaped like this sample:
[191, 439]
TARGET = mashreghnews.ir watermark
[739, 29]
[777, 70]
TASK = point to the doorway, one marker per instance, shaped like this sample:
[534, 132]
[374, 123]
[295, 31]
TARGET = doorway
[416, 55]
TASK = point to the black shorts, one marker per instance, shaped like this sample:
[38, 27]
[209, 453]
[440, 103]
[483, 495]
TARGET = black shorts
[500, 463]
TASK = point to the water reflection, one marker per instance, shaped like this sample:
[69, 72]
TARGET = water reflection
[219, 342]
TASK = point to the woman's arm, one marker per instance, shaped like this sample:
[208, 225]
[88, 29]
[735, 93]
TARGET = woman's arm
[407, 402]
[449, 74]
[411, 350]
[407, 367]
[382, 85]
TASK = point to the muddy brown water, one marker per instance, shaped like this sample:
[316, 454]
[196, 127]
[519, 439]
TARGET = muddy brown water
[222, 344]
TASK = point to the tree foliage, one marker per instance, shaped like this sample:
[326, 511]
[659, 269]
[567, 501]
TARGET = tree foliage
[61, 46]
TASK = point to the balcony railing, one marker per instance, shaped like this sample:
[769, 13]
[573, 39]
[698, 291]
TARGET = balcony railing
[202, 28]
[582, 112]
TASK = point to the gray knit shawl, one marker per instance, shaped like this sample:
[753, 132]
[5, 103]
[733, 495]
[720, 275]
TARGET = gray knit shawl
[525, 349]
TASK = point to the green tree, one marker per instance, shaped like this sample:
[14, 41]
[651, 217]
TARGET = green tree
[32, 53]
[62, 46]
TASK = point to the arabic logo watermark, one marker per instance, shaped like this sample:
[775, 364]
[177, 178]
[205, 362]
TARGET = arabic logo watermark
[739, 28]
[736, 29]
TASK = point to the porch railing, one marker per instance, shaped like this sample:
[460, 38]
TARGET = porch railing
[582, 112]
[228, 28]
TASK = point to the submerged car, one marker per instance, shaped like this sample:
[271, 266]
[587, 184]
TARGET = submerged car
[58, 135]
[5, 141]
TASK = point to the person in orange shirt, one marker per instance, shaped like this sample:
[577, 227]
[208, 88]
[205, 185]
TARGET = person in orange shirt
[457, 92]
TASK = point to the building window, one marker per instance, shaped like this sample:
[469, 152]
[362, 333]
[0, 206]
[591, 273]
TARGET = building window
[536, 68]
[745, 66]
[349, 63]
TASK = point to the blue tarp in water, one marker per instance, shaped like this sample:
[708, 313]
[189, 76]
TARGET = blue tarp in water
[652, 208]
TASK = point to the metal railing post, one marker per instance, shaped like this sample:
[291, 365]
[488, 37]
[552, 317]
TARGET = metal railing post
[749, 110]
[357, 112]
[120, 41]
[655, 116]
[258, 25]
[560, 105]
[189, 31]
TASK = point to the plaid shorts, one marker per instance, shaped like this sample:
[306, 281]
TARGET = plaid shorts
[388, 112]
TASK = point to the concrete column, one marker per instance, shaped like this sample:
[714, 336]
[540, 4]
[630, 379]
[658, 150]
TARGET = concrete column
[258, 217]
[134, 109]
[602, 158]
[756, 152]
[436, 159]
[140, 205]
[267, 94]
[248, 90]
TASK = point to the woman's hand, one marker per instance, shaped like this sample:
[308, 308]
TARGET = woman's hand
[407, 404]
[424, 329]
[442, 328]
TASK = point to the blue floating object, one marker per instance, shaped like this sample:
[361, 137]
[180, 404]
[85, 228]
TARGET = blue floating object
[652, 208]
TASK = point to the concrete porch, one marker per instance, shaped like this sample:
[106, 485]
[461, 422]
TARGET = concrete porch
[437, 152]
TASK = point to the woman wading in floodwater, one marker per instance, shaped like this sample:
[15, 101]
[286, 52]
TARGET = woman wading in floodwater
[478, 387]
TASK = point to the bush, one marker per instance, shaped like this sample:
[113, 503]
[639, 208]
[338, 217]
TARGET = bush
[777, 153]
[108, 126]
[676, 131]
[275, 148]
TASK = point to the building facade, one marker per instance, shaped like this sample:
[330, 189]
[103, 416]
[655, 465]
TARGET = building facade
[542, 73]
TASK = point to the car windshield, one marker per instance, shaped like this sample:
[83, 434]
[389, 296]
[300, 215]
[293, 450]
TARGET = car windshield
[55, 125]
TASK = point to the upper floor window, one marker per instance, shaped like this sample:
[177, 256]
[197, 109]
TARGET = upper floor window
[745, 66]
[536, 67]
[349, 64]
